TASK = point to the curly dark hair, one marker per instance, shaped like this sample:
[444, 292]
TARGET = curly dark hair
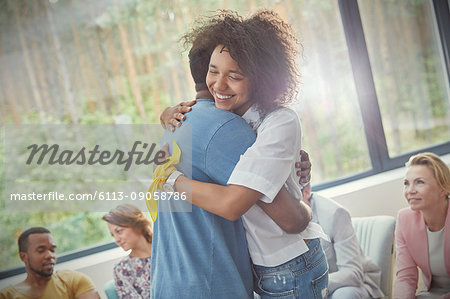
[128, 215]
[263, 45]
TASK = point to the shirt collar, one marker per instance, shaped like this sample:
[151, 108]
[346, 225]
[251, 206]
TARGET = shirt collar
[252, 117]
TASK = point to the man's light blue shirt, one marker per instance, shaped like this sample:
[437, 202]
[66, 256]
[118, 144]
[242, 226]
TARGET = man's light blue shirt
[198, 254]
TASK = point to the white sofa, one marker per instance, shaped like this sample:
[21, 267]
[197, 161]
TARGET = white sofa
[376, 236]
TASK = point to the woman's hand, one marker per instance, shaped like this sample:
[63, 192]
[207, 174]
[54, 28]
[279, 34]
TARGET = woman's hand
[305, 169]
[171, 116]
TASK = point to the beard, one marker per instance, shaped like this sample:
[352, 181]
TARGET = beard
[41, 272]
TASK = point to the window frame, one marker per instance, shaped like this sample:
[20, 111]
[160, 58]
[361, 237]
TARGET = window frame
[366, 92]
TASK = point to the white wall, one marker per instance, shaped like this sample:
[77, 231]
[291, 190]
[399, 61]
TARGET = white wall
[99, 266]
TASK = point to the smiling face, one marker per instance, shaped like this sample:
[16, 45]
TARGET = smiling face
[227, 83]
[421, 189]
[125, 237]
[40, 257]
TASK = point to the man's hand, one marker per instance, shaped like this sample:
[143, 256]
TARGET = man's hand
[305, 169]
[165, 149]
[171, 116]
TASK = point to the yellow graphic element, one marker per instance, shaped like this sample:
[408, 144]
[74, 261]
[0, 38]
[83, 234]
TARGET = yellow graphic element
[160, 176]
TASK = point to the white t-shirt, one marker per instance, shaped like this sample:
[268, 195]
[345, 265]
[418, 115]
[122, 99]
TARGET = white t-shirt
[265, 167]
[440, 278]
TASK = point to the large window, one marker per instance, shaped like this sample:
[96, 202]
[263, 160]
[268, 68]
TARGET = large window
[328, 103]
[410, 75]
[375, 82]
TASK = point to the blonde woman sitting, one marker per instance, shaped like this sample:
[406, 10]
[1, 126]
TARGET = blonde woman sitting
[423, 230]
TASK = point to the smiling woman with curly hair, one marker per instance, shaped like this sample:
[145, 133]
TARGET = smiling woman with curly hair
[263, 45]
[250, 69]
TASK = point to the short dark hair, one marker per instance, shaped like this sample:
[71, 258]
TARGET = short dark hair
[23, 238]
[263, 45]
[199, 64]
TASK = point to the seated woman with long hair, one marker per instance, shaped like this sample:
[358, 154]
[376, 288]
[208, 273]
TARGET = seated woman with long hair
[132, 231]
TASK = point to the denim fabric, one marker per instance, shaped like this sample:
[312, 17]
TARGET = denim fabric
[198, 254]
[305, 276]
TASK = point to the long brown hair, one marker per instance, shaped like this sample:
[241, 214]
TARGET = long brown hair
[128, 215]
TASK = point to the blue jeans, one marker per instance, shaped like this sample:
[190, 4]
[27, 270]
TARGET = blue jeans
[305, 276]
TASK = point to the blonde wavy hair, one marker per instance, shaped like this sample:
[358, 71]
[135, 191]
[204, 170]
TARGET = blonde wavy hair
[438, 167]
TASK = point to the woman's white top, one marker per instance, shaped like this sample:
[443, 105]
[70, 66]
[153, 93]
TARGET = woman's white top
[440, 278]
[267, 166]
